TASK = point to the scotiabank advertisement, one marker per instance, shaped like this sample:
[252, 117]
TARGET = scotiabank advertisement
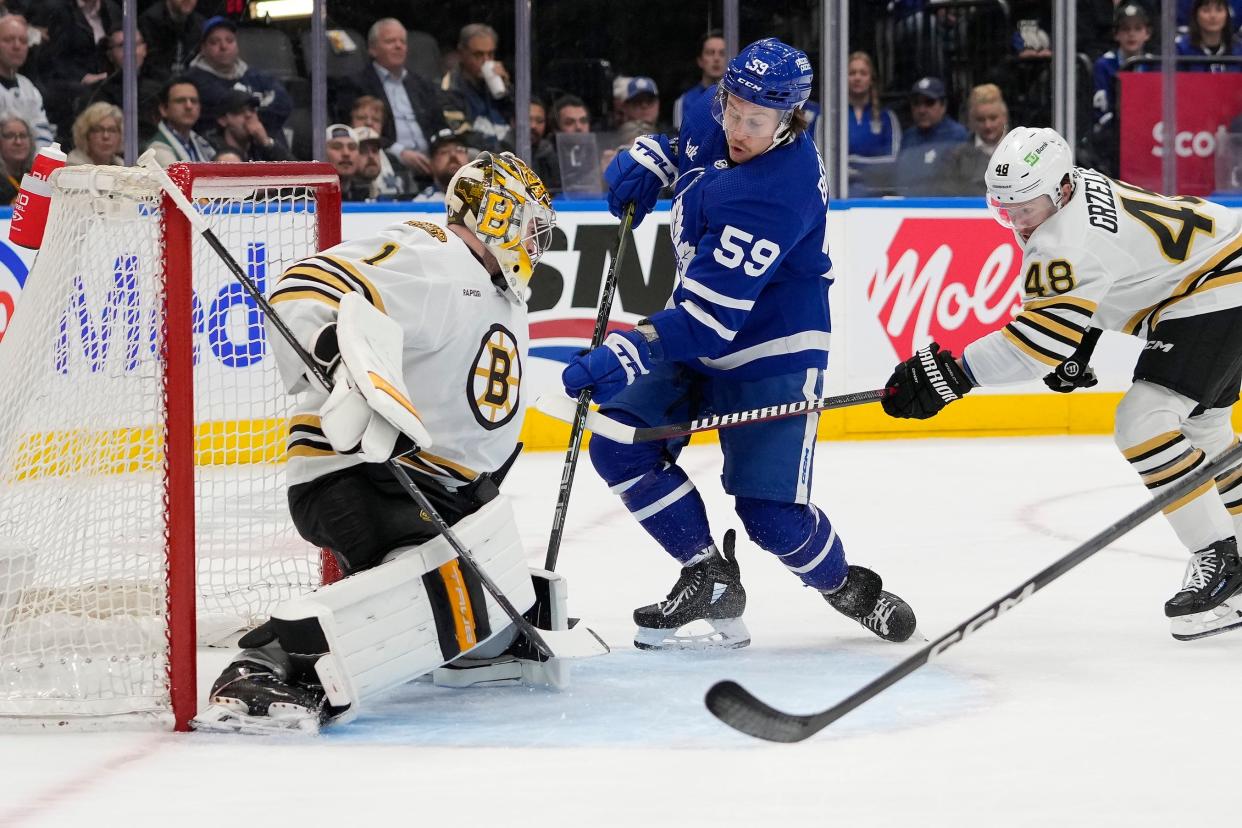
[1206, 105]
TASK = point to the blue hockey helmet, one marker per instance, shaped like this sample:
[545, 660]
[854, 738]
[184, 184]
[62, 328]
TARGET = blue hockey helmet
[770, 74]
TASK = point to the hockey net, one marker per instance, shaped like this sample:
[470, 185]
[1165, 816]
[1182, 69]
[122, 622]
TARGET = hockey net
[142, 428]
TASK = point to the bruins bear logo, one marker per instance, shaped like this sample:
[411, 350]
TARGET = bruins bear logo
[495, 384]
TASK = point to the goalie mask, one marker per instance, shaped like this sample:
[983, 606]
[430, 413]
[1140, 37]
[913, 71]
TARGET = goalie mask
[504, 203]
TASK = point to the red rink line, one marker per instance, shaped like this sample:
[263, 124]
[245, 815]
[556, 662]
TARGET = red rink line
[62, 790]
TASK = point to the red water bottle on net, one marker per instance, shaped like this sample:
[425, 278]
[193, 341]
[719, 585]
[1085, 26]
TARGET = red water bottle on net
[34, 200]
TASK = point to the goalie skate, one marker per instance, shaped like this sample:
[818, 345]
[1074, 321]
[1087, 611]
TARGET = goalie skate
[251, 698]
[708, 593]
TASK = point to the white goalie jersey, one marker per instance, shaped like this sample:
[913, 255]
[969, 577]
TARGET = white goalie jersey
[1119, 258]
[465, 345]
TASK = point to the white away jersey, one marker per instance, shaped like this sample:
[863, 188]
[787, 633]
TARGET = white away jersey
[465, 347]
[1116, 257]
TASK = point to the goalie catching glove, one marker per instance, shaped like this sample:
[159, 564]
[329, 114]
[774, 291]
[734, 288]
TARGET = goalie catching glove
[368, 412]
[925, 383]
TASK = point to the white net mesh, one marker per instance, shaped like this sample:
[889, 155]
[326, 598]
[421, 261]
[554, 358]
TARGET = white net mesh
[83, 581]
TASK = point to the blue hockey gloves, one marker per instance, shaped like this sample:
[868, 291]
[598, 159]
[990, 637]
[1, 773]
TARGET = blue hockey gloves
[638, 174]
[608, 369]
[925, 383]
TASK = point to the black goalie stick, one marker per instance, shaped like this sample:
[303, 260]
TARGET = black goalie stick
[740, 709]
[581, 407]
[563, 408]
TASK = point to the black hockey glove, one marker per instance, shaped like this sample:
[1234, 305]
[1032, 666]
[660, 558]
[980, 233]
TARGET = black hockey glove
[925, 383]
[1075, 372]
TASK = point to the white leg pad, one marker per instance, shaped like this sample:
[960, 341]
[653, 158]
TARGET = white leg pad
[380, 624]
[491, 667]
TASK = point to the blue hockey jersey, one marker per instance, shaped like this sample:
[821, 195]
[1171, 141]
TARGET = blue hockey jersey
[751, 298]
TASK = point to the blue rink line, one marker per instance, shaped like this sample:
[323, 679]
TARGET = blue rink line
[643, 700]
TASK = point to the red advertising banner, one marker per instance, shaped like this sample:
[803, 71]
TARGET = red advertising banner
[951, 280]
[1206, 104]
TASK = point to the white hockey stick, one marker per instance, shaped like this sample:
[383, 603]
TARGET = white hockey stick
[573, 643]
[563, 408]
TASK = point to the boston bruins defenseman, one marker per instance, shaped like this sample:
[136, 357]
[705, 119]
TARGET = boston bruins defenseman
[424, 333]
[1100, 254]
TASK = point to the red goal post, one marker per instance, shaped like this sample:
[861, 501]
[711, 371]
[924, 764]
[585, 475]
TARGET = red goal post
[142, 495]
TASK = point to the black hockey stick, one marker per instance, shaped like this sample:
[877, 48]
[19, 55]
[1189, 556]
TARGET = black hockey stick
[559, 407]
[465, 560]
[584, 398]
[740, 709]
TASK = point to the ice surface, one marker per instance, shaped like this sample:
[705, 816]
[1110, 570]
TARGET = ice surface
[1077, 708]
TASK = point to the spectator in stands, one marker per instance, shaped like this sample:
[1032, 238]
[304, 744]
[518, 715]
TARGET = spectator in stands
[542, 151]
[412, 109]
[1131, 30]
[228, 156]
[927, 144]
[1211, 34]
[342, 149]
[18, 95]
[239, 128]
[368, 111]
[219, 69]
[988, 117]
[473, 102]
[619, 86]
[97, 135]
[70, 60]
[387, 179]
[874, 132]
[175, 138]
[711, 61]
[16, 153]
[173, 29]
[570, 114]
[111, 89]
[449, 151]
[641, 104]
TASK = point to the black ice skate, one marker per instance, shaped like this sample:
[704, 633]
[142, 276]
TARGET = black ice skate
[711, 591]
[1210, 600]
[863, 598]
[250, 697]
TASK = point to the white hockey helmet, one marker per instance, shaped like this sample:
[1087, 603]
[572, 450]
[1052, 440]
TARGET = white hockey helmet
[504, 203]
[1024, 177]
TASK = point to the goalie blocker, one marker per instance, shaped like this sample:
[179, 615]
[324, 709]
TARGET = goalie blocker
[385, 626]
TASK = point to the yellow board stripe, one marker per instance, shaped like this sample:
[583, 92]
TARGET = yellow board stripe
[1168, 437]
[459, 604]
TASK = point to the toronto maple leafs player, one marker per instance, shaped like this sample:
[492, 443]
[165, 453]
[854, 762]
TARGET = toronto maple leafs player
[747, 325]
[1100, 254]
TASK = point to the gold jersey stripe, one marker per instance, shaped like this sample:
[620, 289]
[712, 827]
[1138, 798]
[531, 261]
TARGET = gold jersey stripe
[308, 451]
[1051, 327]
[1210, 283]
[1197, 493]
[288, 295]
[1085, 305]
[368, 289]
[1029, 350]
[1177, 469]
[305, 419]
[1161, 441]
[1227, 481]
[1183, 288]
[317, 274]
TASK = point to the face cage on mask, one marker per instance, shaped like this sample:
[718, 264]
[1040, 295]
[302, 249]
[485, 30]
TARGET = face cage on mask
[528, 228]
[720, 112]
